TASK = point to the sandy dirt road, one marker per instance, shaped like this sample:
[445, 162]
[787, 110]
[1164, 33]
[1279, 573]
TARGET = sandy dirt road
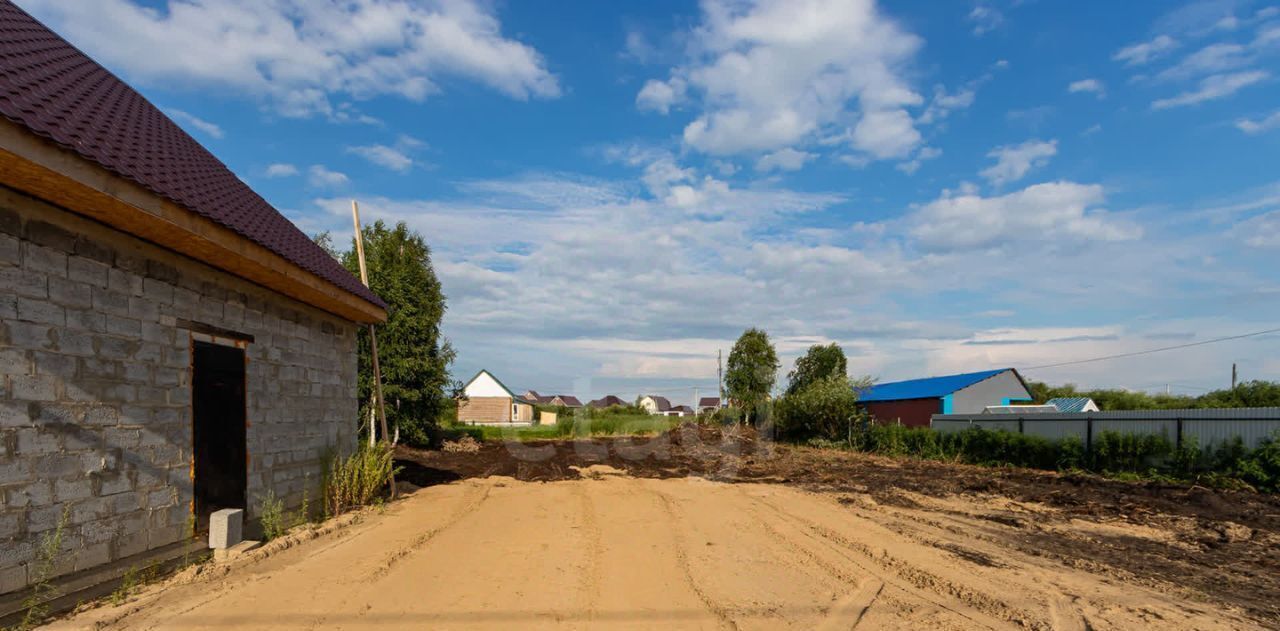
[613, 551]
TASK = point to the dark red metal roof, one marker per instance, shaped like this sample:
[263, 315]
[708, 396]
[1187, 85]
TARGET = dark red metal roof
[56, 91]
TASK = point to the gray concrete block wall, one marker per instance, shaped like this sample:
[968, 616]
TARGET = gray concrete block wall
[95, 388]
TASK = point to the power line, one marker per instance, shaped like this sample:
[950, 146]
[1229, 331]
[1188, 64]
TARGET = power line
[1154, 350]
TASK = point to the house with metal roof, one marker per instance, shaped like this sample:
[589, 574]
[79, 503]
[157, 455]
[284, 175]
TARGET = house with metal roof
[172, 344]
[1073, 404]
[607, 401]
[914, 401]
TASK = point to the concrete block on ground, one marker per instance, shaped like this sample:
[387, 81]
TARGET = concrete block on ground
[226, 528]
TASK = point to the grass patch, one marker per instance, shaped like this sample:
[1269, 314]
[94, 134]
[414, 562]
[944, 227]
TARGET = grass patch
[578, 426]
[42, 590]
[357, 480]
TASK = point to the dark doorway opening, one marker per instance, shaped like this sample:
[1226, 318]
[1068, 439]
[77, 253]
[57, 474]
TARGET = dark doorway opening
[218, 408]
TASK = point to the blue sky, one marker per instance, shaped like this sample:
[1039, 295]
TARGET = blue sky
[614, 190]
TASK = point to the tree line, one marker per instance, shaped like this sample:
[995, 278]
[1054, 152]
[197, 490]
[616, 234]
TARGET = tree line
[820, 398]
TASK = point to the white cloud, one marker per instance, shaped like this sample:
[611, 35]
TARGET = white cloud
[281, 169]
[1210, 59]
[297, 56]
[320, 176]
[1088, 85]
[943, 103]
[640, 279]
[1145, 52]
[1050, 212]
[783, 160]
[1266, 123]
[911, 166]
[1213, 87]
[985, 18]
[382, 155]
[886, 134]
[659, 96]
[1015, 161]
[775, 74]
[1260, 231]
[190, 120]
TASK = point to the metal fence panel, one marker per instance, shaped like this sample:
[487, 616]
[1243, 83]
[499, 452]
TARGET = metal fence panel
[1215, 432]
[1001, 425]
[951, 426]
[1208, 427]
[1166, 427]
[1057, 430]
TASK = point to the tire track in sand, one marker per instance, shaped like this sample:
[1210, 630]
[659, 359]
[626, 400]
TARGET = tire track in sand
[469, 506]
[974, 606]
[589, 580]
[473, 503]
[848, 612]
[722, 614]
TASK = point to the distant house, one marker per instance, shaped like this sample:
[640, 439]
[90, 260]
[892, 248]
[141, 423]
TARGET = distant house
[565, 400]
[680, 410]
[915, 401]
[707, 405]
[655, 404]
[488, 401]
[1074, 404]
[562, 400]
[607, 401]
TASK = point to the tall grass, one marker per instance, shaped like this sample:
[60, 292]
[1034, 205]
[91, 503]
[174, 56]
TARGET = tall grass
[48, 554]
[576, 426]
[357, 480]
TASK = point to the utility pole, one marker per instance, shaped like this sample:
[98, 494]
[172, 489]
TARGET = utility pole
[720, 376]
[373, 342]
[1233, 375]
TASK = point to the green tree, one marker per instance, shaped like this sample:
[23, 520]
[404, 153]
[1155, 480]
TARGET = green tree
[751, 372]
[413, 354]
[826, 408]
[817, 364]
[1250, 394]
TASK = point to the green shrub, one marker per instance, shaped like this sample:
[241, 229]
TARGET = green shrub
[48, 554]
[271, 512]
[1115, 452]
[1071, 454]
[358, 479]
[827, 408]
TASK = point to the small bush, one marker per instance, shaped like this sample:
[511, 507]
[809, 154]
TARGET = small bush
[358, 479]
[271, 512]
[1071, 454]
[827, 408]
[48, 553]
[1115, 452]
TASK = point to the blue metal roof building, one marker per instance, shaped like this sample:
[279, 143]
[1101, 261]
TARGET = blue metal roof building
[915, 401]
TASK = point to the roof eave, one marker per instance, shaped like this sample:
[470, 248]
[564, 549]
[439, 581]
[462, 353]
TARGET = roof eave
[38, 167]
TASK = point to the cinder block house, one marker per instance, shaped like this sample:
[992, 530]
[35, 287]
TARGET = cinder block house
[915, 401]
[489, 401]
[170, 344]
